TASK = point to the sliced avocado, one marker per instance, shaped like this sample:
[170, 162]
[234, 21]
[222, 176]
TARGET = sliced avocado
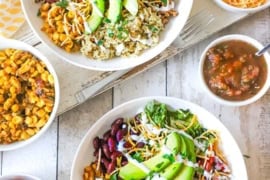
[173, 140]
[187, 172]
[131, 171]
[115, 10]
[154, 164]
[172, 170]
[96, 16]
[191, 155]
[131, 6]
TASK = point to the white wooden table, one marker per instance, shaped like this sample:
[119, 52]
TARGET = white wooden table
[51, 156]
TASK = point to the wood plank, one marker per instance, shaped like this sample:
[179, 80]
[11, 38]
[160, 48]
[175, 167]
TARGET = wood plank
[150, 83]
[38, 159]
[73, 126]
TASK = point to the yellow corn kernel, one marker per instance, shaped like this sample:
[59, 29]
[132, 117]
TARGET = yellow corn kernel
[45, 7]
[12, 90]
[8, 70]
[70, 15]
[60, 29]
[7, 104]
[30, 132]
[55, 36]
[28, 120]
[40, 103]
[11, 125]
[17, 119]
[4, 126]
[7, 117]
[15, 108]
[41, 123]
[24, 136]
[50, 79]
[41, 113]
[62, 37]
[48, 109]
[2, 99]
[34, 119]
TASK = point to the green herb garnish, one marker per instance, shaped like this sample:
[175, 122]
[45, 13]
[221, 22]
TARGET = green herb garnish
[170, 157]
[62, 3]
[100, 42]
[137, 156]
[165, 2]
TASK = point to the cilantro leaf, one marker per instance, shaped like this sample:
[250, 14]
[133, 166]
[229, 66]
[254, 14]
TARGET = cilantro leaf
[62, 3]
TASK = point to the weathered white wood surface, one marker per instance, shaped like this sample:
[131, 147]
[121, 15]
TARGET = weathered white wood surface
[51, 156]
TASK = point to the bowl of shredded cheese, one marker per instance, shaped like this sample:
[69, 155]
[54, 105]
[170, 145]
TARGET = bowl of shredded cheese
[243, 6]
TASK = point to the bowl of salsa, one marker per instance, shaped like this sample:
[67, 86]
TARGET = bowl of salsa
[231, 73]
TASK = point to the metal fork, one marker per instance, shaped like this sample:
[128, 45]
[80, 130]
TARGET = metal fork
[196, 24]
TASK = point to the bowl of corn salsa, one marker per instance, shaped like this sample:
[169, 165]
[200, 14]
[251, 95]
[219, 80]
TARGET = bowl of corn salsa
[29, 94]
[231, 73]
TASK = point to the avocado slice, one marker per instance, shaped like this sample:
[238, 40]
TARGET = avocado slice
[154, 164]
[172, 170]
[131, 6]
[96, 17]
[187, 172]
[115, 10]
[132, 171]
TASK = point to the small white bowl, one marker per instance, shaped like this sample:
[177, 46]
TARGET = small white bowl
[19, 177]
[231, 8]
[220, 100]
[9, 43]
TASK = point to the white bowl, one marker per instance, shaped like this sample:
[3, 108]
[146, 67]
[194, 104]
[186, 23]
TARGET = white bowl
[171, 31]
[8, 43]
[19, 176]
[231, 8]
[220, 100]
[84, 154]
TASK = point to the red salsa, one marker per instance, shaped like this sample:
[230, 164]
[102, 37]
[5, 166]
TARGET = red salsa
[233, 71]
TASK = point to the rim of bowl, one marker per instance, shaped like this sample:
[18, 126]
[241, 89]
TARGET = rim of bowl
[229, 7]
[11, 43]
[252, 42]
[18, 175]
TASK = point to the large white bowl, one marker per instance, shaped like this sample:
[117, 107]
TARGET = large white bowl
[171, 31]
[84, 154]
[231, 8]
[220, 100]
[8, 43]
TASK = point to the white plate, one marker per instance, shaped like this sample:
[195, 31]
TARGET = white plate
[84, 154]
[171, 31]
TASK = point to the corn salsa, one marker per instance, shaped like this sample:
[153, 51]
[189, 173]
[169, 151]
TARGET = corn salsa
[233, 71]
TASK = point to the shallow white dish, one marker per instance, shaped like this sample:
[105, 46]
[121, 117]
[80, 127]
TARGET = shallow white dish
[19, 176]
[171, 31]
[84, 154]
[8, 43]
[231, 8]
[220, 100]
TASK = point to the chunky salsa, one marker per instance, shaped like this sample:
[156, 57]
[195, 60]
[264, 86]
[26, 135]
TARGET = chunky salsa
[233, 71]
